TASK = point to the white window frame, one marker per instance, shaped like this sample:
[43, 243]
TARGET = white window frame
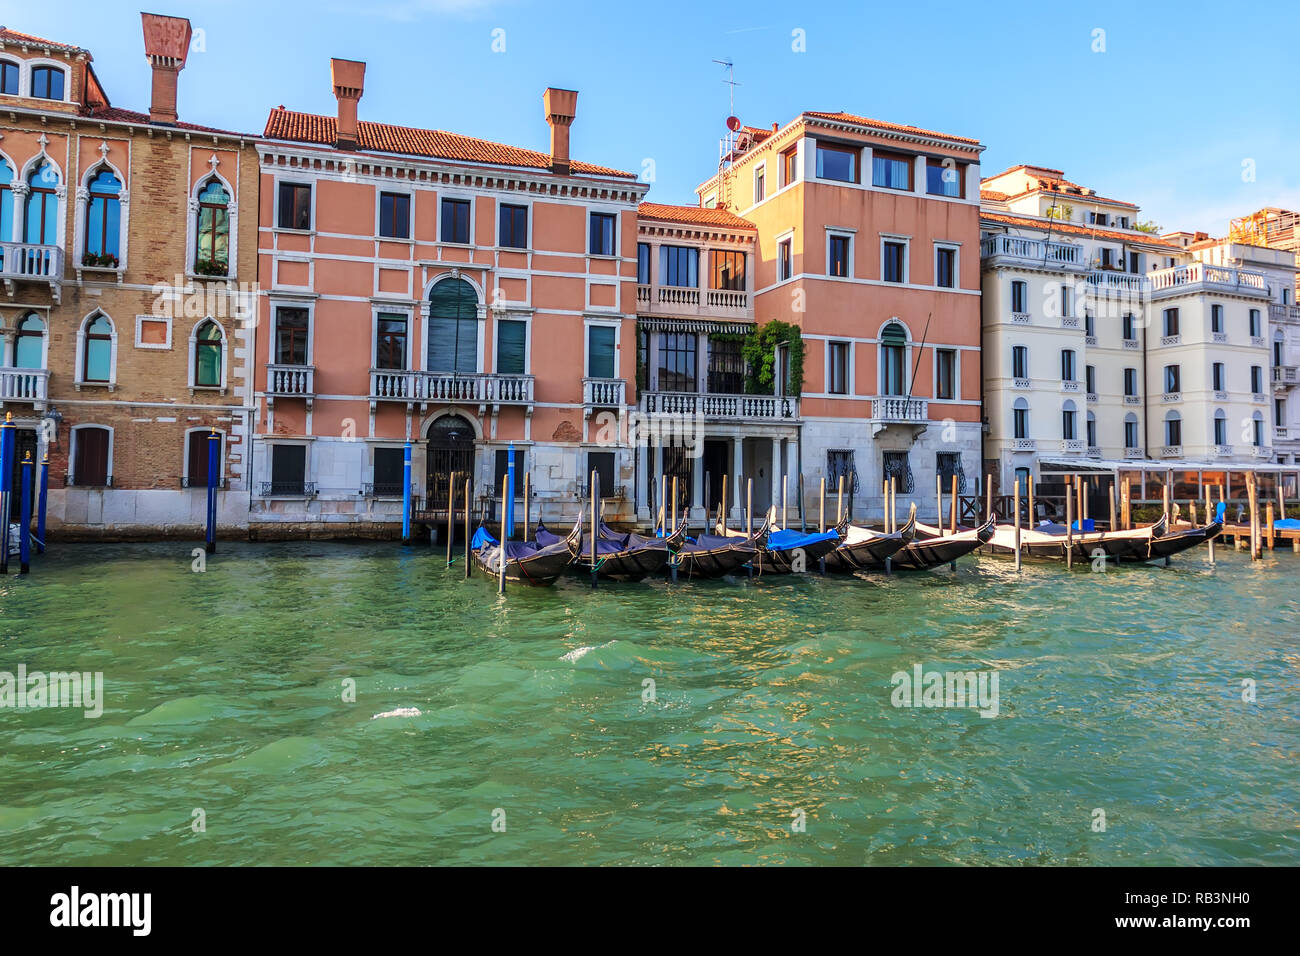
[205, 430]
[787, 236]
[409, 193]
[849, 385]
[11, 341]
[956, 264]
[455, 195]
[841, 232]
[956, 372]
[278, 302]
[232, 218]
[225, 352]
[72, 450]
[426, 317]
[617, 325]
[82, 214]
[759, 169]
[907, 257]
[311, 206]
[26, 84]
[513, 201]
[79, 380]
[408, 313]
[604, 210]
[527, 319]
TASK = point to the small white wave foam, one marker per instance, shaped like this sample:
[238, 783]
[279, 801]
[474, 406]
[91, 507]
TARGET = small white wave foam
[400, 712]
[578, 653]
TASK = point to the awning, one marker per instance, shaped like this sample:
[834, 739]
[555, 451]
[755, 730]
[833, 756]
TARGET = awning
[658, 324]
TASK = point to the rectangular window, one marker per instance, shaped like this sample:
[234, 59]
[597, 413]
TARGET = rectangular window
[1019, 296]
[602, 463]
[394, 216]
[677, 368]
[1131, 382]
[837, 381]
[1067, 365]
[196, 456]
[727, 269]
[1216, 318]
[1254, 322]
[600, 351]
[1133, 262]
[760, 184]
[1221, 431]
[893, 267]
[390, 341]
[790, 166]
[1173, 379]
[501, 468]
[785, 260]
[390, 471]
[295, 206]
[512, 345]
[1130, 327]
[945, 374]
[290, 336]
[679, 266]
[891, 170]
[1067, 424]
[1090, 379]
[288, 469]
[838, 253]
[945, 267]
[90, 457]
[1216, 377]
[1173, 431]
[944, 178]
[1066, 301]
[1020, 418]
[9, 79]
[726, 366]
[894, 359]
[643, 263]
[1171, 321]
[512, 229]
[1019, 361]
[1089, 325]
[1256, 379]
[837, 163]
[455, 221]
[1130, 434]
[601, 234]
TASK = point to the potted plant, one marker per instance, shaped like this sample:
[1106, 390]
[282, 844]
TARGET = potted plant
[211, 267]
[99, 260]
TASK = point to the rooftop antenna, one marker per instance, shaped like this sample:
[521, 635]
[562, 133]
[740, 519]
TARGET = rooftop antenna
[731, 84]
[727, 145]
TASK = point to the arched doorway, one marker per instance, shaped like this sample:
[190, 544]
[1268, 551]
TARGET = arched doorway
[450, 449]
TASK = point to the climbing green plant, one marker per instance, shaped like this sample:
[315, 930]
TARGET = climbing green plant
[759, 351]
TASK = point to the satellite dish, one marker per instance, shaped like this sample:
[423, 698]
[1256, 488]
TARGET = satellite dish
[733, 124]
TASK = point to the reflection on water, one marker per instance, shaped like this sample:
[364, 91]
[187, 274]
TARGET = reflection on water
[225, 692]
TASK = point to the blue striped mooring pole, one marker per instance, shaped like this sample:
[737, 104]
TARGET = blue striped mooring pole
[40, 503]
[25, 531]
[214, 472]
[6, 486]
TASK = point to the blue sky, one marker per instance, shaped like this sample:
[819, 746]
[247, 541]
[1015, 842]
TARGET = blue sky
[1183, 95]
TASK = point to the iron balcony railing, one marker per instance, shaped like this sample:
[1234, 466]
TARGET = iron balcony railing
[382, 489]
[84, 481]
[191, 481]
[288, 489]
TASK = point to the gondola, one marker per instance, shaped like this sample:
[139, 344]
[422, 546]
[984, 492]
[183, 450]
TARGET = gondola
[932, 548]
[716, 555]
[1165, 546]
[534, 562]
[1051, 541]
[862, 549]
[620, 557]
[783, 551]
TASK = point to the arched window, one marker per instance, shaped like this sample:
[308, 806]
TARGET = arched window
[47, 82]
[1092, 429]
[97, 350]
[6, 202]
[8, 78]
[1257, 427]
[207, 354]
[893, 359]
[103, 219]
[1020, 418]
[1068, 415]
[29, 342]
[91, 450]
[453, 327]
[41, 223]
[1131, 431]
[212, 254]
[1173, 428]
[1220, 427]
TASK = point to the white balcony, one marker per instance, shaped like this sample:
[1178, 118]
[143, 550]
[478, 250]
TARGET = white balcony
[1021, 318]
[741, 409]
[1019, 250]
[1284, 376]
[442, 387]
[31, 262]
[1222, 451]
[1094, 451]
[1133, 345]
[1072, 386]
[695, 303]
[1132, 452]
[1171, 451]
[25, 385]
[604, 393]
[1204, 277]
[1072, 446]
[891, 409]
[1113, 282]
[1284, 313]
[1261, 451]
[1023, 444]
[291, 381]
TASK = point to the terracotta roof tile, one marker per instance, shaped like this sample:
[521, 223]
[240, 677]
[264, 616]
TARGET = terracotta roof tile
[1062, 186]
[13, 36]
[383, 138]
[112, 114]
[693, 216]
[992, 195]
[1073, 229]
[842, 117]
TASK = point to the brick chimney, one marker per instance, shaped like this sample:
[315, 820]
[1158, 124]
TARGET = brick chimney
[561, 106]
[166, 45]
[349, 80]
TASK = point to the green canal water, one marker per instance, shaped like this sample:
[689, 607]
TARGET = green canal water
[1119, 691]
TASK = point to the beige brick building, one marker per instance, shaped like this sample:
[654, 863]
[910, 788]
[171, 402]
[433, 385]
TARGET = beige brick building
[127, 252]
